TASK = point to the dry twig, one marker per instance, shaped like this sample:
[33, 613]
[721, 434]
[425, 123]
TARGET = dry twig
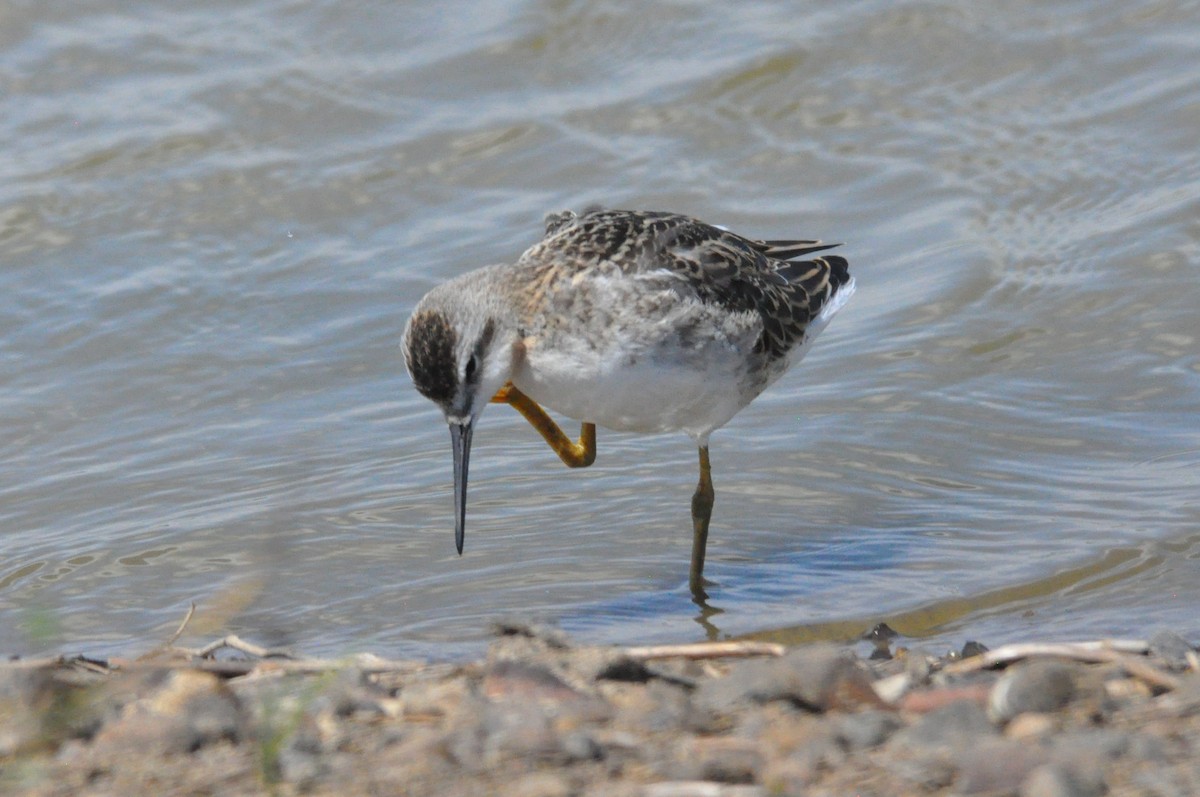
[705, 650]
[234, 642]
[1122, 652]
[179, 631]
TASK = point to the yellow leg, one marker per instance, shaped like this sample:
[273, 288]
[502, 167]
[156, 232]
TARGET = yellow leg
[573, 454]
[702, 504]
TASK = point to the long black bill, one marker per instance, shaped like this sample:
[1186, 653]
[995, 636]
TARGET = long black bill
[460, 440]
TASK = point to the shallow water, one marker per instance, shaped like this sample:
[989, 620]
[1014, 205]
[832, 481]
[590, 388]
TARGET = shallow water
[215, 218]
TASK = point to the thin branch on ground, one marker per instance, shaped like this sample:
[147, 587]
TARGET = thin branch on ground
[705, 650]
[1125, 653]
[234, 642]
[179, 631]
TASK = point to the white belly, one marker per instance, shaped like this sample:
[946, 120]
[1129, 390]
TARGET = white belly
[640, 397]
[646, 376]
[648, 361]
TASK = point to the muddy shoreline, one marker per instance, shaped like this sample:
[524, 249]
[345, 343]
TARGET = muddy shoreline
[541, 717]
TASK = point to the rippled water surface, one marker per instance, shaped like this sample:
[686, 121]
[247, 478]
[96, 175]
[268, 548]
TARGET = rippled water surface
[215, 218]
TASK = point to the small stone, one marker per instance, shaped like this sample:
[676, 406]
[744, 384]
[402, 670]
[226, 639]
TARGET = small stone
[299, 767]
[1162, 783]
[507, 679]
[866, 729]
[579, 746]
[791, 776]
[624, 668]
[917, 667]
[1104, 743]
[959, 724]
[550, 636]
[880, 632]
[39, 707]
[1185, 699]
[880, 636]
[1127, 689]
[1040, 686]
[1059, 780]
[1146, 747]
[209, 710]
[517, 730]
[187, 710]
[431, 699]
[352, 692]
[657, 707]
[425, 755]
[818, 679]
[928, 700]
[809, 748]
[971, 648]
[720, 759]
[996, 766]
[540, 784]
[1031, 725]
[930, 771]
[811, 739]
[1171, 648]
[26, 698]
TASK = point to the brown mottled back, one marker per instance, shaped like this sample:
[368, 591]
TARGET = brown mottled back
[716, 266]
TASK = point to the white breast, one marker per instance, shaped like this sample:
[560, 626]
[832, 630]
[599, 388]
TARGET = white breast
[630, 356]
[664, 364]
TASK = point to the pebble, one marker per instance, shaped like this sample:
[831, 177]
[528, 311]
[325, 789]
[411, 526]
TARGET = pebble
[818, 679]
[298, 765]
[431, 700]
[549, 635]
[515, 729]
[961, 723]
[1038, 686]
[541, 784]
[1173, 649]
[523, 680]
[1031, 725]
[352, 692]
[998, 766]
[659, 707]
[1059, 780]
[720, 759]
[881, 636]
[26, 698]
[866, 729]
[181, 711]
[926, 700]
[917, 667]
[1103, 742]
[801, 746]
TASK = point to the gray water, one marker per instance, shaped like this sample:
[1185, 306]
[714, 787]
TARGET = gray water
[215, 218]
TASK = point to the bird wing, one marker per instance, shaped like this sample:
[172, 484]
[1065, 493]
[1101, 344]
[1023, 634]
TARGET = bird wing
[716, 266]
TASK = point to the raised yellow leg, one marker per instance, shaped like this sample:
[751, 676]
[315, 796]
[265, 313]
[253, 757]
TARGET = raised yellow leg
[702, 504]
[573, 454]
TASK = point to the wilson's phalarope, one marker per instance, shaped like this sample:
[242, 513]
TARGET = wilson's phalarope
[633, 320]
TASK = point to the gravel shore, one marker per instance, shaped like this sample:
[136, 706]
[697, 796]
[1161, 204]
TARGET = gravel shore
[540, 717]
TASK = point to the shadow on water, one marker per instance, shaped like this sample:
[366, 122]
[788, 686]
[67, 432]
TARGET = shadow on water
[947, 615]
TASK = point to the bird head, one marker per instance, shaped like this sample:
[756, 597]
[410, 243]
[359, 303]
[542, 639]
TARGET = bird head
[459, 354]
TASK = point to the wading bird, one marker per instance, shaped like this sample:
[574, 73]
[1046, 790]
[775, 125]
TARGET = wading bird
[632, 320]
